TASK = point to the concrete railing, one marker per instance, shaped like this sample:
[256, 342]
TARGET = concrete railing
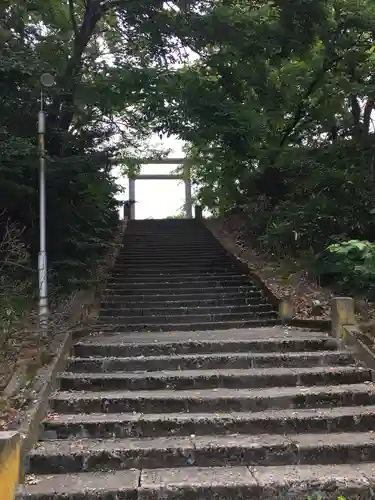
[346, 330]
[344, 327]
[10, 454]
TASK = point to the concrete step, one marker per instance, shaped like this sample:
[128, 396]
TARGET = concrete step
[188, 343]
[210, 483]
[197, 316]
[234, 378]
[53, 457]
[185, 285]
[183, 310]
[281, 421]
[219, 483]
[168, 261]
[178, 245]
[164, 233]
[184, 298]
[148, 251]
[228, 360]
[123, 278]
[184, 264]
[160, 290]
[189, 325]
[174, 254]
[155, 305]
[175, 270]
[181, 242]
[213, 400]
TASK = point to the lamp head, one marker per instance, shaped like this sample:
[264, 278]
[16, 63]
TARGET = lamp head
[47, 80]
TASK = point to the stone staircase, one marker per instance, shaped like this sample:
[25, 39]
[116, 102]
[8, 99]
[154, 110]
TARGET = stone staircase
[192, 391]
[174, 275]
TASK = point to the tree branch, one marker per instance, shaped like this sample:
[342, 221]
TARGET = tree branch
[73, 17]
[61, 112]
[301, 108]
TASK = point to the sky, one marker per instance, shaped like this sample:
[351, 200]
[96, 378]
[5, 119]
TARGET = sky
[157, 198]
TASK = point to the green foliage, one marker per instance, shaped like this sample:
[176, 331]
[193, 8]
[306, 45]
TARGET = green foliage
[100, 53]
[276, 110]
[277, 113]
[319, 497]
[350, 264]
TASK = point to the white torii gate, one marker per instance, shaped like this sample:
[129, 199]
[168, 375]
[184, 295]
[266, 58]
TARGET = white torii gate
[185, 177]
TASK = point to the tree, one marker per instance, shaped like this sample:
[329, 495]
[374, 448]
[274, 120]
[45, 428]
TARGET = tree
[277, 113]
[100, 52]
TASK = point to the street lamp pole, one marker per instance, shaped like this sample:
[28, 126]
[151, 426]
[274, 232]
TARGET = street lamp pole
[47, 80]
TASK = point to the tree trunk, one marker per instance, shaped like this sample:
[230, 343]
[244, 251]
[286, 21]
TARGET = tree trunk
[61, 111]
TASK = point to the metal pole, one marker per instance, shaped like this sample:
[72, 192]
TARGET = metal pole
[42, 257]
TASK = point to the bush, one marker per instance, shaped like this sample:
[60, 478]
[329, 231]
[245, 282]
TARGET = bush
[350, 265]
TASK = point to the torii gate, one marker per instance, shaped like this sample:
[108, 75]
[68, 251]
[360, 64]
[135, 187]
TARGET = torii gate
[185, 177]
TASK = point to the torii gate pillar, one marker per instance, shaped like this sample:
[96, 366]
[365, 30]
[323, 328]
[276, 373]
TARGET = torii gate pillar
[188, 202]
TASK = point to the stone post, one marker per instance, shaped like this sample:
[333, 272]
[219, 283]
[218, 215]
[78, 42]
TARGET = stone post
[198, 212]
[126, 210]
[10, 455]
[286, 309]
[342, 315]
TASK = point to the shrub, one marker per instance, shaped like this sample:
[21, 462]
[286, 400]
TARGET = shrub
[350, 265]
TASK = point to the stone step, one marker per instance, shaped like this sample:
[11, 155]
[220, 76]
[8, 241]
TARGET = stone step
[175, 270]
[196, 316]
[186, 275]
[53, 457]
[356, 480]
[184, 322]
[188, 326]
[184, 310]
[185, 285]
[147, 252]
[148, 303]
[211, 361]
[178, 278]
[157, 228]
[174, 254]
[193, 259]
[164, 226]
[117, 290]
[168, 233]
[178, 245]
[186, 266]
[234, 378]
[185, 298]
[280, 421]
[188, 344]
[88, 455]
[181, 242]
[171, 251]
[213, 400]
